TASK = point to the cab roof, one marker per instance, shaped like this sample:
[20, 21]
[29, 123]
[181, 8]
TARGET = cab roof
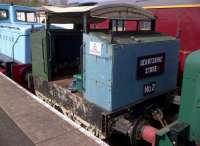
[6, 5]
[117, 11]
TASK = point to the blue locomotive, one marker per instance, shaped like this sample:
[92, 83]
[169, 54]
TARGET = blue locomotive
[16, 25]
[106, 78]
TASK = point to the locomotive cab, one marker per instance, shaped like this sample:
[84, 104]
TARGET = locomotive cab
[62, 48]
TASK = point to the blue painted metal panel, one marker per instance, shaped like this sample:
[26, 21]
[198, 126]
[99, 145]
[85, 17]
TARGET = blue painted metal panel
[97, 84]
[16, 38]
[126, 87]
[110, 79]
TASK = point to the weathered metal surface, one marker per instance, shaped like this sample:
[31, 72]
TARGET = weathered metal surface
[88, 115]
[40, 54]
[116, 76]
[24, 121]
[74, 102]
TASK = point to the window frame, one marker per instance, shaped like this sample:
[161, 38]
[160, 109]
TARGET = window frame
[143, 25]
[7, 14]
[116, 26]
[26, 12]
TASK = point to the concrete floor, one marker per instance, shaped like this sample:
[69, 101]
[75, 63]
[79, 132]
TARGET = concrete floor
[26, 122]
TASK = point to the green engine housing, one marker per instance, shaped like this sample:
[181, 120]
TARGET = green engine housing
[186, 129]
[190, 98]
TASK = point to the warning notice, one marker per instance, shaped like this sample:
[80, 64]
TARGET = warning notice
[95, 48]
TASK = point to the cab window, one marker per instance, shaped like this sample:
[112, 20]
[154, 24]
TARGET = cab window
[145, 25]
[3, 14]
[26, 16]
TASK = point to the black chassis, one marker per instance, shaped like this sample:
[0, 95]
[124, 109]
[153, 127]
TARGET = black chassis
[91, 113]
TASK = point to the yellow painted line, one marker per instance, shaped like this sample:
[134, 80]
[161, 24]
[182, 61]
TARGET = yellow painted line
[172, 6]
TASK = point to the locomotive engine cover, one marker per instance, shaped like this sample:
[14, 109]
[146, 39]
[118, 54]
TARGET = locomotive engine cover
[132, 68]
[15, 40]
